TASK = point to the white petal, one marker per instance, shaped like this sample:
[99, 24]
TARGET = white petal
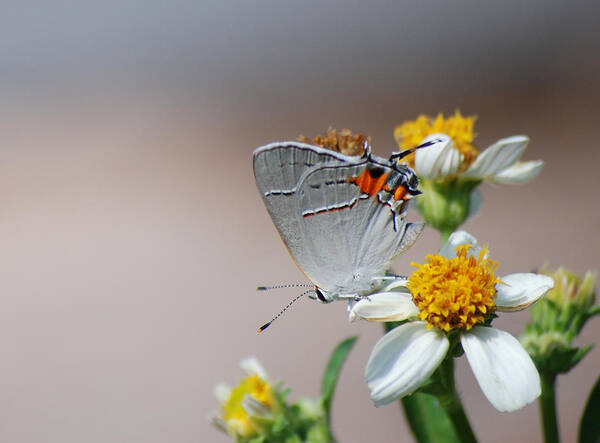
[497, 157]
[384, 306]
[397, 284]
[503, 369]
[520, 172]
[519, 291]
[403, 359]
[457, 239]
[255, 408]
[437, 161]
[218, 422]
[222, 392]
[252, 366]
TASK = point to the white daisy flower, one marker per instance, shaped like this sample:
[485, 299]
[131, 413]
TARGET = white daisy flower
[499, 163]
[457, 158]
[455, 292]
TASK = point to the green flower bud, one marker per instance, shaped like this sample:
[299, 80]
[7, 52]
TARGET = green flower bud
[446, 205]
[558, 318]
[310, 409]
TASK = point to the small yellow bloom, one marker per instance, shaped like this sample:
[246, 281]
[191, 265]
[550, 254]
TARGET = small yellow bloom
[252, 398]
[234, 414]
[460, 129]
[454, 292]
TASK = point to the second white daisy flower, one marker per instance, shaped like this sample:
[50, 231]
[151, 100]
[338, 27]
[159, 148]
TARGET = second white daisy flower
[455, 292]
[458, 158]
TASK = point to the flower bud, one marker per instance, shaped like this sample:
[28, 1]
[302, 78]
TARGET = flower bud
[446, 205]
[258, 411]
[558, 318]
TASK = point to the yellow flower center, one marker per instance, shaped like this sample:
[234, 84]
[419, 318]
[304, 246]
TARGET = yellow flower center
[233, 412]
[460, 129]
[454, 293]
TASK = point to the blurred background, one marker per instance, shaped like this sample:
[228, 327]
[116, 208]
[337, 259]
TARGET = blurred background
[133, 236]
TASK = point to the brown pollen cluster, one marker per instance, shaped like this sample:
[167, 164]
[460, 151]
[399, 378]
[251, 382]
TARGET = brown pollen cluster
[343, 141]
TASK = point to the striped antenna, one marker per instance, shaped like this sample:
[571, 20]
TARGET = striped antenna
[400, 155]
[266, 325]
[292, 285]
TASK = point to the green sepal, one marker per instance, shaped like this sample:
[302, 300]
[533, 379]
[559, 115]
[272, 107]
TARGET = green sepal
[389, 325]
[592, 312]
[446, 205]
[579, 354]
[431, 387]
[280, 424]
[560, 360]
[318, 434]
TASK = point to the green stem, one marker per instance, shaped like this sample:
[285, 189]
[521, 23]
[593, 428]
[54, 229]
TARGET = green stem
[445, 235]
[451, 403]
[548, 408]
[428, 422]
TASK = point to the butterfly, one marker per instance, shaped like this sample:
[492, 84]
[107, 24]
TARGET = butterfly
[342, 218]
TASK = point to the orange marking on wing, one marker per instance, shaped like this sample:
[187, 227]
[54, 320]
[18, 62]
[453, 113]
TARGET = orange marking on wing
[362, 180]
[368, 184]
[399, 193]
[378, 184]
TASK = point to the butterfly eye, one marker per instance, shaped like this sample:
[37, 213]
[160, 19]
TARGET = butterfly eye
[320, 295]
[411, 180]
[414, 181]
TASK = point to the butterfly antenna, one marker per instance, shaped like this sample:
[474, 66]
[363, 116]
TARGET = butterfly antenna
[266, 325]
[400, 155]
[293, 285]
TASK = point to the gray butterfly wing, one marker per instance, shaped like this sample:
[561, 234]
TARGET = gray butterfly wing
[349, 238]
[278, 168]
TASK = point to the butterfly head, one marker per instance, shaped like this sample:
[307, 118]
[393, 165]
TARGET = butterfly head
[322, 295]
[410, 180]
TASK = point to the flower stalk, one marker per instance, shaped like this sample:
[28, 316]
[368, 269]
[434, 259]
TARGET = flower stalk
[450, 402]
[548, 407]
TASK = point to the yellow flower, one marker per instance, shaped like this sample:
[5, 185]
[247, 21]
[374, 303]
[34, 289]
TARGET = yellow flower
[458, 158]
[460, 129]
[455, 292]
[243, 406]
